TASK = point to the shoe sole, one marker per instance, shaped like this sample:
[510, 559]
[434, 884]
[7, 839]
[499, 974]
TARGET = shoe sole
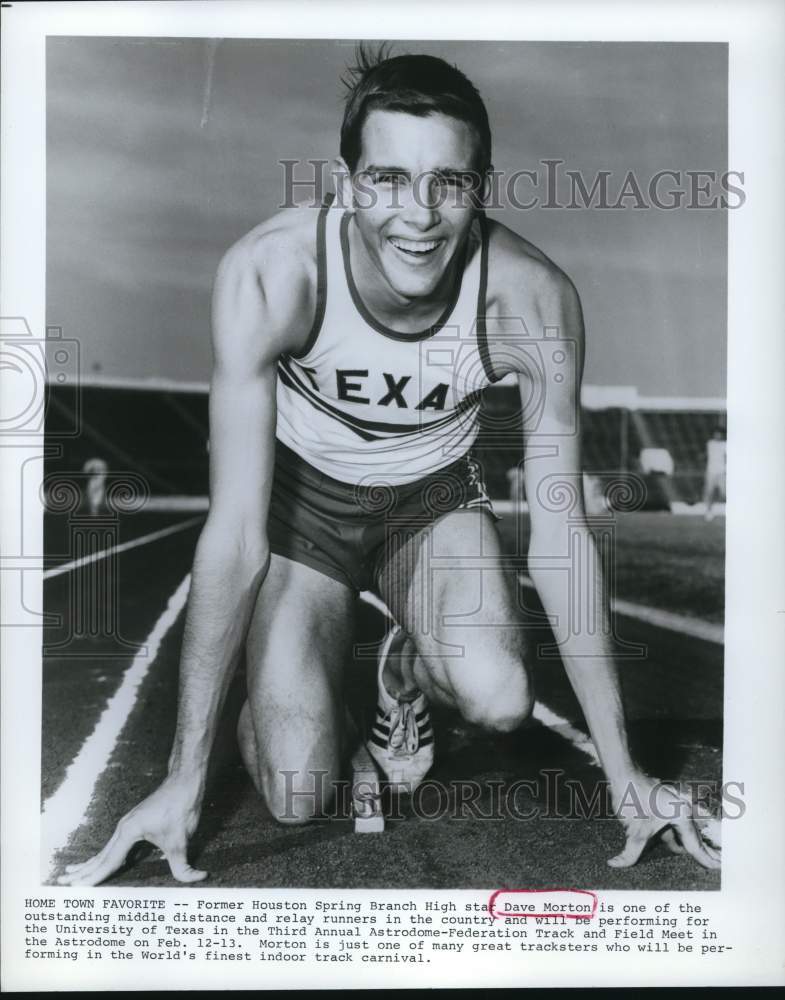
[366, 793]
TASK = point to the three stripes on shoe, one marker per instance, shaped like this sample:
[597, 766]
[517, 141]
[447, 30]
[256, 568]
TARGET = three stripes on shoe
[402, 730]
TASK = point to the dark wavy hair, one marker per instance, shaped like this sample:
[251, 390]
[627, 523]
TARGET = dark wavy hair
[416, 85]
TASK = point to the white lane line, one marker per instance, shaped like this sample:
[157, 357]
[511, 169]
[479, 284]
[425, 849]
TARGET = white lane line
[178, 504]
[694, 627]
[66, 810]
[567, 731]
[132, 544]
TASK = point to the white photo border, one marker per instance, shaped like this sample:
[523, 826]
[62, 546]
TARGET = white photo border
[751, 898]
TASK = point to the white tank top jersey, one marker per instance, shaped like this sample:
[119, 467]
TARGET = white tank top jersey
[362, 403]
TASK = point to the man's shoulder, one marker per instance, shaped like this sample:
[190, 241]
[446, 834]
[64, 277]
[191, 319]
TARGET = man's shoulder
[529, 297]
[521, 276]
[279, 257]
[282, 245]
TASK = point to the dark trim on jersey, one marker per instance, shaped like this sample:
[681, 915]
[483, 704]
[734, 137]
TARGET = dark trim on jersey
[288, 379]
[366, 314]
[321, 278]
[357, 424]
[482, 308]
[363, 428]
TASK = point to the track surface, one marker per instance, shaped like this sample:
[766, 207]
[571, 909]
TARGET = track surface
[673, 697]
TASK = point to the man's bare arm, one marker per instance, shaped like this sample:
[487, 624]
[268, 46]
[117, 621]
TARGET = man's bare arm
[232, 554]
[230, 563]
[566, 570]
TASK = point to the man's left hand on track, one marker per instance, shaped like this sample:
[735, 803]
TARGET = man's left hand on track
[647, 808]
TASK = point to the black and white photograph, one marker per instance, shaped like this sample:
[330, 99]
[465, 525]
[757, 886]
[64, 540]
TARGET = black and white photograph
[390, 564]
[390, 493]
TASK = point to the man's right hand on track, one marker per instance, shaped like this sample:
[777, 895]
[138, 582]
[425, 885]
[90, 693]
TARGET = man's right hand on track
[166, 819]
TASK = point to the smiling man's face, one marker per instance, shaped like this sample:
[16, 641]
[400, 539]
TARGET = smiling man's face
[411, 210]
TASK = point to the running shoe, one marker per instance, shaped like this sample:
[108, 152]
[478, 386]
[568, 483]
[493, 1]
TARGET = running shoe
[401, 740]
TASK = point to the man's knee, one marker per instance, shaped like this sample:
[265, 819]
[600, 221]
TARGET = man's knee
[501, 708]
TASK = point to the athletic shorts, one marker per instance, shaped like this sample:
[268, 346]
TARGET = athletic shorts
[347, 532]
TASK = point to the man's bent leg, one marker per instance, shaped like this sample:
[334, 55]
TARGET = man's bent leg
[461, 621]
[291, 728]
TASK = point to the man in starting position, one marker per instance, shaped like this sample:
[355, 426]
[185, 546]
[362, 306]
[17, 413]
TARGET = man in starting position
[350, 349]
